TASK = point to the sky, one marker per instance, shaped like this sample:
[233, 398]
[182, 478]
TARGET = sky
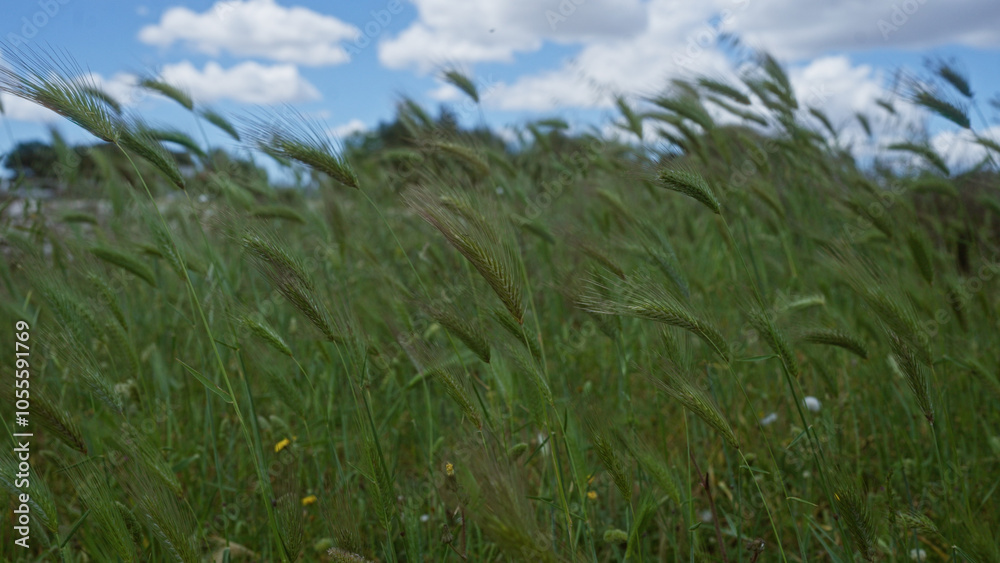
[347, 63]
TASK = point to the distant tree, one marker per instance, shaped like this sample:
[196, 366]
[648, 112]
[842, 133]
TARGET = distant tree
[33, 159]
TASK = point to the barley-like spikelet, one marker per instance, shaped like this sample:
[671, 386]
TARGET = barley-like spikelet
[40, 499]
[100, 386]
[834, 337]
[42, 77]
[57, 421]
[74, 314]
[633, 120]
[860, 275]
[912, 519]
[688, 108]
[217, 119]
[257, 326]
[762, 321]
[676, 385]
[96, 495]
[989, 144]
[462, 82]
[880, 221]
[108, 299]
[291, 524]
[756, 154]
[457, 392]
[692, 185]
[505, 516]
[490, 253]
[469, 332]
[643, 299]
[124, 261]
[292, 136]
[140, 449]
[283, 388]
[936, 104]
[723, 89]
[661, 252]
[471, 161]
[650, 461]
[278, 212]
[913, 373]
[935, 185]
[901, 321]
[853, 510]
[288, 276]
[176, 137]
[164, 246]
[865, 123]
[768, 198]
[519, 332]
[925, 151]
[135, 138]
[527, 367]
[78, 217]
[613, 464]
[599, 256]
[342, 518]
[99, 94]
[167, 90]
[920, 251]
[170, 522]
[746, 115]
[377, 473]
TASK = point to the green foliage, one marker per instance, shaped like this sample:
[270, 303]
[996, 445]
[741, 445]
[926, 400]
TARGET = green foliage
[493, 353]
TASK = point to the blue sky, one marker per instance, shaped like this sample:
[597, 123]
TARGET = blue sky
[347, 63]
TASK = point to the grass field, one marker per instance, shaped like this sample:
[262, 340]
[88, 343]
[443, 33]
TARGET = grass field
[734, 344]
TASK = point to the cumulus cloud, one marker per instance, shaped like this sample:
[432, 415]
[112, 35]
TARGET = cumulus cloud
[347, 129]
[677, 41]
[637, 47]
[247, 82]
[796, 30]
[486, 30]
[959, 149]
[255, 28]
[22, 110]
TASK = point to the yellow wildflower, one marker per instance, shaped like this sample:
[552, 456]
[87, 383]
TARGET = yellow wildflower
[281, 445]
[308, 500]
[449, 469]
[592, 495]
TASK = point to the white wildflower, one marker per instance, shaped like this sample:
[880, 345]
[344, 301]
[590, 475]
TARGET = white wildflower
[812, 403]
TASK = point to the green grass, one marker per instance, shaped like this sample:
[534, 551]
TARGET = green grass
[454, 351]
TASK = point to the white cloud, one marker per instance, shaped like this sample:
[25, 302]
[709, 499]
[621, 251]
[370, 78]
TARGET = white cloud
[959, 148]
[676, 42]
[797, 30]
[247, 82]
[348, 129]
[19, 109]
[256, 28]
[637, 47]
[837, 88]
[487, 30]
